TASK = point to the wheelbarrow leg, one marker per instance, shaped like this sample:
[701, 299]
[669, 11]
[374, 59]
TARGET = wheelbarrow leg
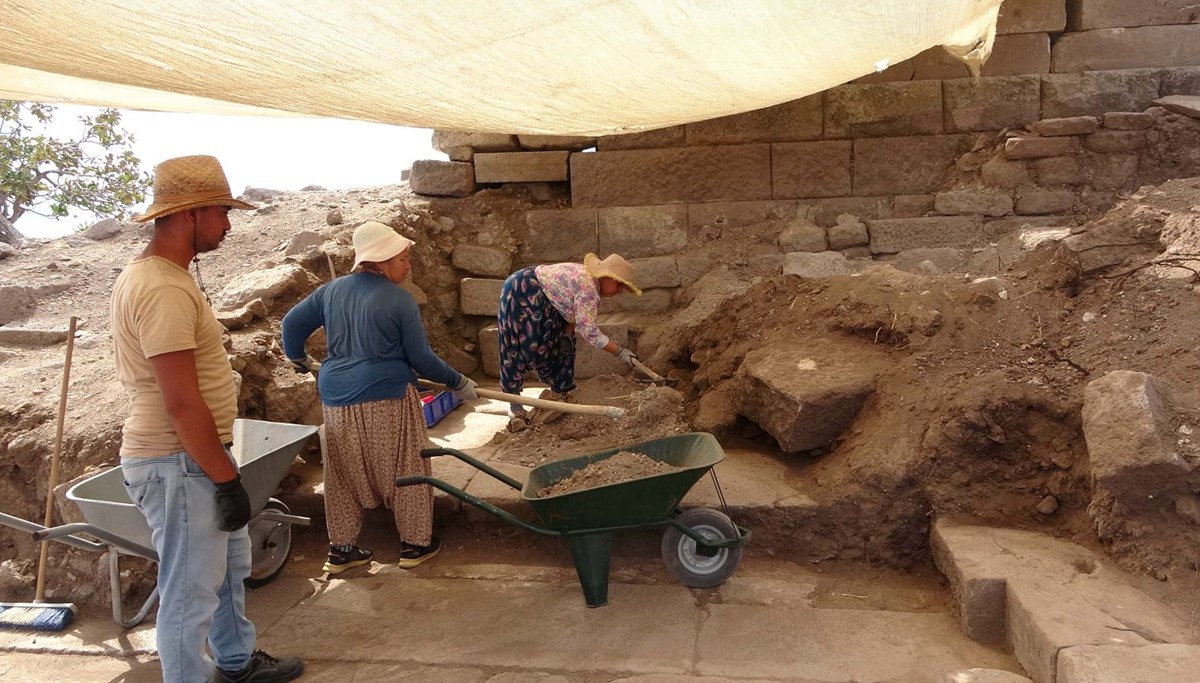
[114, 581]
[592, 554]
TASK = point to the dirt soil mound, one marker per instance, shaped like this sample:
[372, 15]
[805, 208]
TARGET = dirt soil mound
[619, 467]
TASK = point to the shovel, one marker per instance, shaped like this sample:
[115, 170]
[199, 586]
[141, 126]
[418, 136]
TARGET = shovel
[652, 378]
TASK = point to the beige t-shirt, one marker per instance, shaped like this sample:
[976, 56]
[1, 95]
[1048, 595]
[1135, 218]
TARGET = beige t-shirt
[157, 308]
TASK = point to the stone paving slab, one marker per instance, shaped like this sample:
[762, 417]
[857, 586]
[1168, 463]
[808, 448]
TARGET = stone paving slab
[831, 645]
[1116, 664]
[651, 629]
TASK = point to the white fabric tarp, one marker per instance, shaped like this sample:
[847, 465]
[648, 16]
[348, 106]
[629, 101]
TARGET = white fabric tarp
[564, 67]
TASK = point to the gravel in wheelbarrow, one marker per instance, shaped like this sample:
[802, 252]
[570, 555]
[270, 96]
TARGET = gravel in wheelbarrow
[615, 469]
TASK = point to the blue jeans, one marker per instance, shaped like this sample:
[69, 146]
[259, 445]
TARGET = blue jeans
[200, 568]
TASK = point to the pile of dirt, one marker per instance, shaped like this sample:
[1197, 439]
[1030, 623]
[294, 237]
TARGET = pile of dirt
[650, 413]
[619, 467]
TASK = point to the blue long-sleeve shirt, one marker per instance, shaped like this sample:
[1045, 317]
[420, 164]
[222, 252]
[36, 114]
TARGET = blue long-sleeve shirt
[375, 340]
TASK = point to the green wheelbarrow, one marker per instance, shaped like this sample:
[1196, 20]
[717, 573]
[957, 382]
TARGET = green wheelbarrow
[701, 546]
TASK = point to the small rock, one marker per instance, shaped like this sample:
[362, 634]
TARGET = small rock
[303, 240]
[1089, 317]
[334, 217]
[6, 250]
[1048, 506]
[87, 340]
[259, 194]
[312, 188]
[266, 210]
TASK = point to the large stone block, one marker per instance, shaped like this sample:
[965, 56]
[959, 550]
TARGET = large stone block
[908, 165]
[520, 167]
[589, 361]
[1115, 141]
[480, 260]
[970, 202]
[1169, 663]
[651, 301]
[1188, 105]
[635, 231]
[1127, 48]
[573, 143]
[663, 176]
[1090, 14]
[1029, 16]
[442, 178]
[731, 214]
[796, 120]
[883, 109]
[658, 271]
[1071, 125]
[1128, 120]
[1181, 81]
[1039, 147]
[1044, 620]
[1098, 92]
[810, 169]
[992, 103]
[896, 235]
[828, 210]
[1036, 202]
[911, 206]
[673, 136]
[462, 146]
[820, 264]
[479, 296]
[801, 399]
[1127, 422]
[1014, 55]
[559, 235]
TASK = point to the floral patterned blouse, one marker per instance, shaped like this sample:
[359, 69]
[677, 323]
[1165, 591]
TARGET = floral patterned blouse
[573, 293]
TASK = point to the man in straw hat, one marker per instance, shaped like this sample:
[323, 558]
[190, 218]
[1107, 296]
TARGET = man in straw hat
[175, 445]
[541, 308]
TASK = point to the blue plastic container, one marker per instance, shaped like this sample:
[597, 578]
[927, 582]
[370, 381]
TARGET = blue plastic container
[443, 402]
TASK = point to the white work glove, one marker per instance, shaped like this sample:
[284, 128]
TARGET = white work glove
[626, 356]
[465, 391]
[309, 364]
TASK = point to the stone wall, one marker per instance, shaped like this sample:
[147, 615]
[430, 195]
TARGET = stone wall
[918, 156]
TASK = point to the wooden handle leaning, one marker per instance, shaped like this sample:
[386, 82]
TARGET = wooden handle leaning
[607, 411]
[58, 436]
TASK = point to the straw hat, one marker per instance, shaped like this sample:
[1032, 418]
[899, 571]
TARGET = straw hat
[375, 242]
[613, 267]
[186, 183]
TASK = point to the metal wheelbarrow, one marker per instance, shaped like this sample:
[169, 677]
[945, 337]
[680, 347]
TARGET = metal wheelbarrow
[264, 452]
[700, 546]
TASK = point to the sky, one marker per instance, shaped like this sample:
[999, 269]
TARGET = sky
[264, 152]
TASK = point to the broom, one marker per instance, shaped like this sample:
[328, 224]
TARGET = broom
[38, 615]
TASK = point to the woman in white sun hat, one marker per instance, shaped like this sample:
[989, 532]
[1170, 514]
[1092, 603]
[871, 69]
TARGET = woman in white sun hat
[374, 425]
[541, 308]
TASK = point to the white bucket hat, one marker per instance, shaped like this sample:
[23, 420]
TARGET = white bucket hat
[375, 242]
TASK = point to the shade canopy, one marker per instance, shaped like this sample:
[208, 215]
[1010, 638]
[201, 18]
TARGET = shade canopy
[565, 67]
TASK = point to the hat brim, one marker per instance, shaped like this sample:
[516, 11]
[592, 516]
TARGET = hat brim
[590, 263]
[157, 210]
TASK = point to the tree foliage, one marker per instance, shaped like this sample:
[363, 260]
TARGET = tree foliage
[48, 176]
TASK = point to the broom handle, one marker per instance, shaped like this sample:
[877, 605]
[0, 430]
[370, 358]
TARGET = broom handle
[560, 406]
[58, 435]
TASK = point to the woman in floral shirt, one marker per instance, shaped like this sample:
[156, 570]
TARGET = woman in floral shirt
[541, 308]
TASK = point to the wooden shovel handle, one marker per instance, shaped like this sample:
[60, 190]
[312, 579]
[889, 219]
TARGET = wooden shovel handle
[44, 551]
[560, 406]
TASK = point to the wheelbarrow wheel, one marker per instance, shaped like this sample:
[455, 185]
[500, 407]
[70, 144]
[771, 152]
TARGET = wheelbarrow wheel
[687, 560]
[270, 546]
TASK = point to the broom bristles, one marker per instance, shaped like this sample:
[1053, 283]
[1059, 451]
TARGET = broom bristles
[36, 616]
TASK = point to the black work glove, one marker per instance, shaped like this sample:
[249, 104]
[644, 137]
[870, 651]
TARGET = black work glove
[233, 505]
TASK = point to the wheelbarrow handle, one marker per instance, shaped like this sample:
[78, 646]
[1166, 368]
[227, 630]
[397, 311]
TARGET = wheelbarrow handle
[434, 452]
[477, 502]
[68, 530]
[34, 528]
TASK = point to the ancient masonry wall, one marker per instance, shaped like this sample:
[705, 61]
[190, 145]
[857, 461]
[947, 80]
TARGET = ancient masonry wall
[1064, 92]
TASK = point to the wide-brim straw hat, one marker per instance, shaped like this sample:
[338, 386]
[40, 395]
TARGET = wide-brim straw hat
[190, 182]
[614, 266]
[375, 242]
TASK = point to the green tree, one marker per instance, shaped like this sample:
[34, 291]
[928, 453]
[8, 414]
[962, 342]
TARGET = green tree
[96, 171]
